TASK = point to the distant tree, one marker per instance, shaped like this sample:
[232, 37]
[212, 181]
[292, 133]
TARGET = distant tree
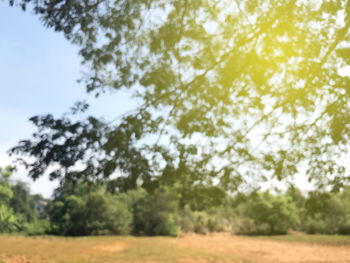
[7, 217]
[327, 213]
[297, 196]
[155, 214]
[104, 215]
[86, 211]
[270, 214]
[229, 92]
[22, 202]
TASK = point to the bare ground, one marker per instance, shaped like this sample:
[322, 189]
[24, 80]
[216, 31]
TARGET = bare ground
[186, 249]
[266, 251]
[116, 247]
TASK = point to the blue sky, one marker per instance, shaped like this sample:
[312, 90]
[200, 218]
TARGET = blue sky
[38, 72]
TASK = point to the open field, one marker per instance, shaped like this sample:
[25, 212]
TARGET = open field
[191, 249]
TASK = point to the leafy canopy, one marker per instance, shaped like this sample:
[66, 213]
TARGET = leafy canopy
[230, 92]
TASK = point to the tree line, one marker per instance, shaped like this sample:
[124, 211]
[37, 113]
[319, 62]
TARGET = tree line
[79, 209]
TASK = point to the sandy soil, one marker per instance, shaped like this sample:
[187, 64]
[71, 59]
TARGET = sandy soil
[193, 248]
[116, 247]
[16, 259]
[267, 251]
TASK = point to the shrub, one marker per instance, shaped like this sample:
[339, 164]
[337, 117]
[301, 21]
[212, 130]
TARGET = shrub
[95, 213]
[167, 227]
[316, 225]
[203, 222]
[38, 227]
[268, 214]
[153, 214]
[185, 220]
[105, 215]
[327, 213]
[244, 225]
[200, 220]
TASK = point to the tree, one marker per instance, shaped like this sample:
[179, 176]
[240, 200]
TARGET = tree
[230, 92]
[23, 203]
[327, 213]
[78, 209]
[154, 214]
[269, 214]
[7, 217]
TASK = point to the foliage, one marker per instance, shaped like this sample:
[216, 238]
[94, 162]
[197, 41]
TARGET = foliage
[328, 213]
[22, 202]
[268, 214]
[81, 208]
[106, 215]
[19, 210]
[84, 212]
[7, 217]
[160, 213]
[155, 214]
[218, 219]
[210, 77]
[37, 227]
[30, 210]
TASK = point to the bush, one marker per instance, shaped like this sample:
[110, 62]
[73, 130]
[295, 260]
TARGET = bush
[105, 215]
[185, 220]
[317, 225]
[344, 229]
[96, 213]
[215, 224]
[193, 221]
[202, 222]
[267, 214]
[39, 227]
[222, 217]
[244, 225]
[327, 213]
[155, 214]
[167, 227]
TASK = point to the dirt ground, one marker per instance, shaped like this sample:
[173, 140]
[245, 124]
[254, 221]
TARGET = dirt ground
[267, 251]
[186, 249]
